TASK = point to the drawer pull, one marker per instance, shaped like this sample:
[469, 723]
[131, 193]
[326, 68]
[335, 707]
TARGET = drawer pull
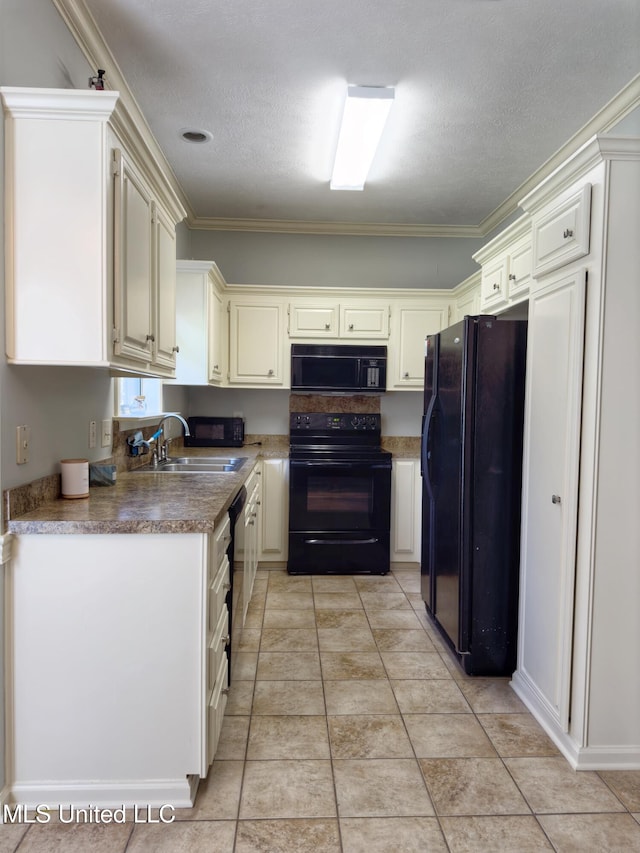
[175, 349]
[512, 276]
[151, 338]
[225, 691]
[496, 287]
[556, 499]
[327, 325]
[567, 233]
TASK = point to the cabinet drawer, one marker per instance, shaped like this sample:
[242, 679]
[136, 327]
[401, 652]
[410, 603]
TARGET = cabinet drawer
[216, 650]
[493, 289]
[520, 265]
[561, 232]
[217, 594]
[215, 711]
[221, 540]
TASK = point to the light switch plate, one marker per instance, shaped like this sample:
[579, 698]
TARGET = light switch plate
[23, 437]
[92, 434]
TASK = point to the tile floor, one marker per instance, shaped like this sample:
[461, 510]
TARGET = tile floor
[350, 728]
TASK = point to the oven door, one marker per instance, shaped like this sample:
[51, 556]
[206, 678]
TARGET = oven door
[335, 496]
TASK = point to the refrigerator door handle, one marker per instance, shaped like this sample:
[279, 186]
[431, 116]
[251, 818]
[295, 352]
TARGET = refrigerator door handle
[426, 446]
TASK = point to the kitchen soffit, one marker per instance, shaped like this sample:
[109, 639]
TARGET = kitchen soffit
[486, 92]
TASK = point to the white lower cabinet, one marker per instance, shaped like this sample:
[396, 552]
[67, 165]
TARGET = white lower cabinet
[120, 630]
[274, 521]
[247, 547]
[406, 510]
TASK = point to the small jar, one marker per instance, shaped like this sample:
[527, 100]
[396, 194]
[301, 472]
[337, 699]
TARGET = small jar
[75, 478]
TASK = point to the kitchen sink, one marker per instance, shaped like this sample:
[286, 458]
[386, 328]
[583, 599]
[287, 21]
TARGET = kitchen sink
[197, 465]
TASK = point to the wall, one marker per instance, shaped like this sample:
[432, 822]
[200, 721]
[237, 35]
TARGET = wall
[300, 260]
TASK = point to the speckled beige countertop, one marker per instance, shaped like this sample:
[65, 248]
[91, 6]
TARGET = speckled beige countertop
[146, 502]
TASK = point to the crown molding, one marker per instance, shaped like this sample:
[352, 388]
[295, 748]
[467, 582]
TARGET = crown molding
[350, 229]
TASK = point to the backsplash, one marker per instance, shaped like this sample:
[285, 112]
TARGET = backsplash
[361, 403]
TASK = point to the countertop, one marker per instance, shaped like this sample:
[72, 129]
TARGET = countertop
[147, 502]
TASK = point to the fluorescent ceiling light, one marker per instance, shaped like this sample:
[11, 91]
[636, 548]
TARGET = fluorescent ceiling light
[365, 112]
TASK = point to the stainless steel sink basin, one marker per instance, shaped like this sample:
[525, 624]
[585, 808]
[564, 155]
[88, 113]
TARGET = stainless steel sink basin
[197, 465]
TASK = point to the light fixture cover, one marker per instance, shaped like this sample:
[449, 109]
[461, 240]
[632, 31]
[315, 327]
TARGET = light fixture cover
[365, 113]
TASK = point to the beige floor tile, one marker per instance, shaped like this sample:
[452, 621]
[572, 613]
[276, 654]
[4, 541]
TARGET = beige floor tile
[517, 735]
[244, 666]
[448, 736]
[287, 789]
[409, 581]
[491, 696]
[288, 737]
[250, 640]
[393, 619]
[377, 583]
[626, 784]
[289, 619]
[232, 745]
[600, 833]
[288, 697]
[399, 640]
[381, 788]
[280, 581]
[351, 640]
[70, 837]
[289, 640]
[637, 817]
[288, 836]
[337, 601]
[289, 600]
[406, 665]
[334, 583]
[385, 834]
[384, 601]
[254, 620]
[240, 698]
[218, 795]
[373, 696]
[361, 665]
[214, 836]
[288, 666]
[346, 620]
[471, 786]
[369, 736]
[432, 696]
[504, 834]
[551, 786]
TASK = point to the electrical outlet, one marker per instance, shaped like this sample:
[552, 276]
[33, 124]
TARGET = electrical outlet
[106, 433]
[93, 434]
[23, 437]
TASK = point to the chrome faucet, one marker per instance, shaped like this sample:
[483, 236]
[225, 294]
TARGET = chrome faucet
[163, 445]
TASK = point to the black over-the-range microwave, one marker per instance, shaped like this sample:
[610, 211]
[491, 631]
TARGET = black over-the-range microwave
[338, 368]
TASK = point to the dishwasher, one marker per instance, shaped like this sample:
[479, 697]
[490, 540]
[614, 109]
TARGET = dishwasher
[234, 596]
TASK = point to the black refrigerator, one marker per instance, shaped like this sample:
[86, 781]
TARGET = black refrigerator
[471, 462]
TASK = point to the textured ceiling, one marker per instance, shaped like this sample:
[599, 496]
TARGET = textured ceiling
[486, 91]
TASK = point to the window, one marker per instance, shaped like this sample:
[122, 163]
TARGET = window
[138, 398]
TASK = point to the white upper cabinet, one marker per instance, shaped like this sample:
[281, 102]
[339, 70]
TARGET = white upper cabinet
[81, 216]
[506, 267]
[561, 232]
[410, 325]
[200, 324]
[357, 319]
[256, 342]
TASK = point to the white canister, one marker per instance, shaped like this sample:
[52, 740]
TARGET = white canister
[75, 478]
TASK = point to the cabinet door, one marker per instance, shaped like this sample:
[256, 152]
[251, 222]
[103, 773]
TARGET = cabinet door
[520, 266]
[550, 491]
[164, 274]
[364, 321]
[256, 343]
[561, 231]
[493, 290]
[274, 510]
[133, 263]
[467, 305]
[406, 500]
[313, 320]
[216, 336]
[411, 326]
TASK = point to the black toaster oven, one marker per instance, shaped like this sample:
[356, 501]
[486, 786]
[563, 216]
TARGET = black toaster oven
[215, 432]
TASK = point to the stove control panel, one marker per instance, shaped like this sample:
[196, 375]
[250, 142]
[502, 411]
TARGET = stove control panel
[330, 422]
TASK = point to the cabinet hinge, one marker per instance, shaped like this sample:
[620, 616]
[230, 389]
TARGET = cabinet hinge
[115, 168]
[448, 315]
[115, 336]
